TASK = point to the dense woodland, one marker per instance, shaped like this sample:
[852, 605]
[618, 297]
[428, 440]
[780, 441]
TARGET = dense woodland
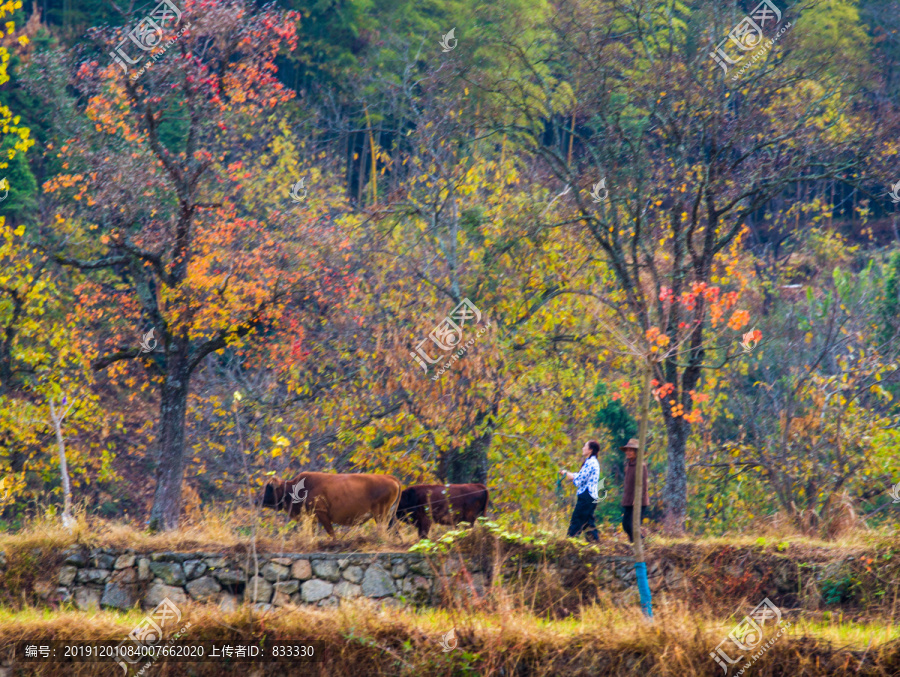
[614, 204]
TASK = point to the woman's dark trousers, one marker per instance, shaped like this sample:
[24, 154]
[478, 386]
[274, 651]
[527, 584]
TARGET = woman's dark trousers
[583, 518]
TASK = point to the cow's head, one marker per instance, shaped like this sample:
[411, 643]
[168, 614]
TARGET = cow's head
[273, 495]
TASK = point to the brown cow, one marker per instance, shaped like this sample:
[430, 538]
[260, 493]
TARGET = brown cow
[423, 504]
[336, 499]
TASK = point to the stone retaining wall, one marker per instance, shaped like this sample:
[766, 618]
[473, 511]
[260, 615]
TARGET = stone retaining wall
[118, 578]
[105, 578]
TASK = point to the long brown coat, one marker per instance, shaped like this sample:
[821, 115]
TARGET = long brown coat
[344, 499]
[628, 493]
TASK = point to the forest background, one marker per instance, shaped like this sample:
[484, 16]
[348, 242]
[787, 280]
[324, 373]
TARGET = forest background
[293, 197]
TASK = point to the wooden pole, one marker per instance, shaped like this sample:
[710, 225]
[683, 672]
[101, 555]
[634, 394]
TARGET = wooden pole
[372, 149]
[640, 564]
[641, 456]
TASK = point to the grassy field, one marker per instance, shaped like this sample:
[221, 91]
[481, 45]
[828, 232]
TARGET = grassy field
[505, 634]
[242, 529]
[362, 639]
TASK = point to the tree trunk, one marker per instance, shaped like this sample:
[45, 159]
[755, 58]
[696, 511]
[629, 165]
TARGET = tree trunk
[57, 418]
[677, 432]
[170, 461]
[470, 463]
[676, 475]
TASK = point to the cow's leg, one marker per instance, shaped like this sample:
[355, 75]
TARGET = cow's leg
[380, 518]
[326, 522]
[424, 523]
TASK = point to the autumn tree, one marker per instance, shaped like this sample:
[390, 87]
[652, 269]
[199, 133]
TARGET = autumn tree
[825, 376]
[150, 210]
[668, 161]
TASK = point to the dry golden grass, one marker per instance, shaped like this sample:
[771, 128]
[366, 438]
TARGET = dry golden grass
[364, 639]
[500, 635]
[244, 528]
[218, 531]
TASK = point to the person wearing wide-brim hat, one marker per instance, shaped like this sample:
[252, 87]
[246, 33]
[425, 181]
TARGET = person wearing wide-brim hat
[586, 481]
[630, 450]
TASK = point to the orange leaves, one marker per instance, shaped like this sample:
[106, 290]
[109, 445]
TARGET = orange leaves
[698, 397]
[664, 394]
[63, 181]
[661, 391]
[694, 416]
[656, 339]
[717, 303]
[709, 300]
[676, 409]
[739, 320]
[719, 306]
[688, 300]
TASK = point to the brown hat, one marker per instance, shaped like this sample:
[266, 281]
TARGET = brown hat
[632, 444]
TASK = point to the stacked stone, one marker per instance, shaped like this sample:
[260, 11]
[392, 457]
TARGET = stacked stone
[104, 578]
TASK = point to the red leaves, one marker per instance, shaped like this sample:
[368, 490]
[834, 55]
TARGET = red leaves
[663, 390]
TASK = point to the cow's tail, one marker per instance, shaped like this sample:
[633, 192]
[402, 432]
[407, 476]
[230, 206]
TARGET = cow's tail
[392, 512]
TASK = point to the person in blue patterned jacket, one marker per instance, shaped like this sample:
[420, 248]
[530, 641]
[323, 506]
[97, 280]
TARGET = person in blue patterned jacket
[585, 481]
